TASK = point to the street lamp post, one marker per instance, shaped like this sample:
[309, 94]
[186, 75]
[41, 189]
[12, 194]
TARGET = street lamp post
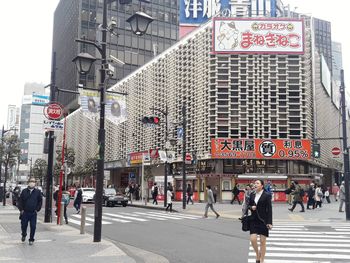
[139, 23]
[184, 123]
[345, 147]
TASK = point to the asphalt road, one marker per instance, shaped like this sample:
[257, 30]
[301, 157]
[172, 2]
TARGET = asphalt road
[172, 237]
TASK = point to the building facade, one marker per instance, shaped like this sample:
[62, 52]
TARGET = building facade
[31, 133]
[81, 19]
[237, 97]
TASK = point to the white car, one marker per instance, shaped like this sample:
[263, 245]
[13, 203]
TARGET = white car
[88, 194]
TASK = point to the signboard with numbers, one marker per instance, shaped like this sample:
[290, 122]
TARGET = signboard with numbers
[258, 36]
[260, 149]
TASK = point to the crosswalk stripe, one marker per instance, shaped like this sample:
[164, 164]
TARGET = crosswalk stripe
[306, 239]
[177, 215]
[113, 219]
[127, 217]
[304, 255]
[313, 249]
[166, 216]
[252, 260]
[92, 220]
[149, 217]
[289, 244]
[77, 222]
[160, 216]
[308, 234]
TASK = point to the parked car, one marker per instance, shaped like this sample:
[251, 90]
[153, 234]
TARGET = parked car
[111, 198]
[88, 194]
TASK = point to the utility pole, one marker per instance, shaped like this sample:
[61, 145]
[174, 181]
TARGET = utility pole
[345, 146]
[166, 159]
[101, 132]
[184, 123]
[49, 174]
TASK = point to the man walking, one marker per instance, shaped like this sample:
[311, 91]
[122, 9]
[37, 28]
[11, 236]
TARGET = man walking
[341, 196]
[30, 202]
[298, 197]
[210, 202]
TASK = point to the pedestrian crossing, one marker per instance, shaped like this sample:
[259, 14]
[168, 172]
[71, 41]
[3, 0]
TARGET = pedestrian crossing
[307, 242]
[132, 217]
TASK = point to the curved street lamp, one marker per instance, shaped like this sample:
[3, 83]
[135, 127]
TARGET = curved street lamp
[84, 61]
[139, 22]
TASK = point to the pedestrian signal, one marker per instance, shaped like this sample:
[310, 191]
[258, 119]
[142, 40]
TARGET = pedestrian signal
[316, 150]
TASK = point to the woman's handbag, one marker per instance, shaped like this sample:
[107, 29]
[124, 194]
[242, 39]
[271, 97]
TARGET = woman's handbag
[245, 223]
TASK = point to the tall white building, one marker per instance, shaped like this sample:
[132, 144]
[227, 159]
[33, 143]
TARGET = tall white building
[31, 127]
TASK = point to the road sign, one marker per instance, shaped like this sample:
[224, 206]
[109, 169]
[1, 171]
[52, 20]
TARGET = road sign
[53, 111]
[336, 152]
[52, 125]
[188, 158]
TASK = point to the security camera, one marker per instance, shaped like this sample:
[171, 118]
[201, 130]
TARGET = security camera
[112, 24]
[116, 60]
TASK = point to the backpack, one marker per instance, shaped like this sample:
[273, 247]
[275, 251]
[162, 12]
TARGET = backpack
[65, 199]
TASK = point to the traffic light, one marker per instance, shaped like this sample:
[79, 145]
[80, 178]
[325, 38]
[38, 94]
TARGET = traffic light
[316, 150]
[151, 120]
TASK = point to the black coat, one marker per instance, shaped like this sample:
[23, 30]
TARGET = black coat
[30, 201]
[264, 207]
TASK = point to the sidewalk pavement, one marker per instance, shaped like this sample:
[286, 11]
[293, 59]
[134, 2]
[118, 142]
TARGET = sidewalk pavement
[53, 243]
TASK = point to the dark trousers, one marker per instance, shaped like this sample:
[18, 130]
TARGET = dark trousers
[298, 202]
[77, 205]
[65, 213]
[155, 200]
[189, 199]
[318, 204]
[26, 218]
[170, 205]
[310, 202]
[235, 197]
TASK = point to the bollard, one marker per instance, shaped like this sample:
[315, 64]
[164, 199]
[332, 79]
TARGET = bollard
[82, 220]
[61, 213]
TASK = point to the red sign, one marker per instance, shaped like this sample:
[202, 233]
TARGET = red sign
[53, 111]
[188, 157]
[260, 149]
[335, 151]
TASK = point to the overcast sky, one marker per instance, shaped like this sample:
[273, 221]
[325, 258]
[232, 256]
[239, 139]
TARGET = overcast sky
[26, 41]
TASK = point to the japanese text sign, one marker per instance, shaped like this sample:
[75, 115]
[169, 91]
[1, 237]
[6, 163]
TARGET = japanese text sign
[260, 149]
[268, 36]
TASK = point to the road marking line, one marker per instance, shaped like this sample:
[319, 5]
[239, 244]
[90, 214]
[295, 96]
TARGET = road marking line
[92, 220]
[307, 239]
[77, 222]
[127, 217]
[284, 244]
[308, 232]
[306, 235]
[304, 255]
[149, 217]
[304, 249]
[178, 215]
[252, 260]
[161, 216]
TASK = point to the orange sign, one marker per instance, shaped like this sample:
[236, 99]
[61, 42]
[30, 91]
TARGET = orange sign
[260, 149]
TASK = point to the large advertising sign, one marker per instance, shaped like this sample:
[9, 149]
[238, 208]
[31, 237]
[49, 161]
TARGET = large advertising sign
[267, 36]
[196, 12]
[261, 149]
[326, 78]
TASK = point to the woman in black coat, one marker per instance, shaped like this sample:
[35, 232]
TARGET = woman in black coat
[261, 219]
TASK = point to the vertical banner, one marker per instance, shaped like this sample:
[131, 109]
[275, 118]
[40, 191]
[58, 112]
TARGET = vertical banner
[115, 108]
[89, 102]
